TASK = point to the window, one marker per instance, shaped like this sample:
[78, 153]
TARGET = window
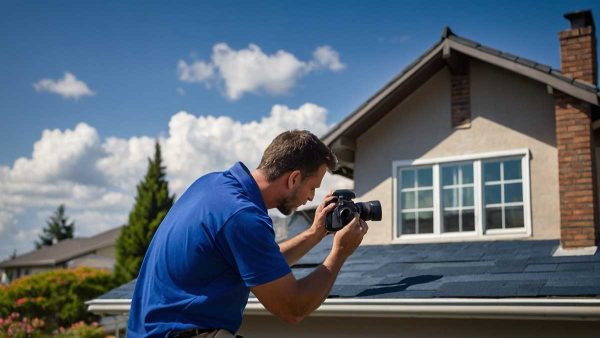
[503, 194]
[479, 195]
[458, 198]
[416, 201]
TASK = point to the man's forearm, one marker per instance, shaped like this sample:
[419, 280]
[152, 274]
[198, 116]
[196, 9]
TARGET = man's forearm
[314, 288]
[293, 249]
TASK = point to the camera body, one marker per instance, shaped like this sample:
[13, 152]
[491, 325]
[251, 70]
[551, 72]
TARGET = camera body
[345, 210]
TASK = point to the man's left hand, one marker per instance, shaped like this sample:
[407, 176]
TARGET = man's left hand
[318, 226]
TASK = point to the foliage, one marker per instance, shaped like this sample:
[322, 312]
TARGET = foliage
[57, 228]
[81, 330]
[151, 205]
[15, 326]
[56, 297]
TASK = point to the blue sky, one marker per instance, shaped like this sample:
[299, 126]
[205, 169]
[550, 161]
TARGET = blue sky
[127, 54]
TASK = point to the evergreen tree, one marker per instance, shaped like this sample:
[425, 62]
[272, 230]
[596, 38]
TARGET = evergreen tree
[152, 203]
[57, 229]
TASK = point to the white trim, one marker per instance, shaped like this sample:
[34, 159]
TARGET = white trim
[585, 251]
[479, 204]
[459, 158]
[492, 308]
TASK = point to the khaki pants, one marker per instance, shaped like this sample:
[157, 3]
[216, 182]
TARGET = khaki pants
[220, 333]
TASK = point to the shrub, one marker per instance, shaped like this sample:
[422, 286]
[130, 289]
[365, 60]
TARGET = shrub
[15, 326]
[57, 297]
[81, 330]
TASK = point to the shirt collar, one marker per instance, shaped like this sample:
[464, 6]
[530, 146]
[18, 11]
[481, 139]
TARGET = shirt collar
[243, 175]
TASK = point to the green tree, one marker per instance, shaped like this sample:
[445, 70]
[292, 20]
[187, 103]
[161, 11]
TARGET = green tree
[152, 203]
[57, 228]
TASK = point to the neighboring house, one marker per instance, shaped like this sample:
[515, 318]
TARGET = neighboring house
[97, 251]
[485, 165]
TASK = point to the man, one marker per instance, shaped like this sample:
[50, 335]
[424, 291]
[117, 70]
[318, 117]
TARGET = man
[217, 243]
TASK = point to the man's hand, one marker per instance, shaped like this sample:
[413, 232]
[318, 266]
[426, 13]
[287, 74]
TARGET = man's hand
[318, 226]
[291, 299]
[349, 237]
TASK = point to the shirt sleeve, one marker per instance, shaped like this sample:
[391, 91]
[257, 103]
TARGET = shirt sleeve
[247, 241]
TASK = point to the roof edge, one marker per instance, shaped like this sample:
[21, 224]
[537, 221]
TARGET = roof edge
[587, 309]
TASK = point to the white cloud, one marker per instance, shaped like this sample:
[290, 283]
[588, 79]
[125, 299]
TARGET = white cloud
[180, 91]
[68, 87]
[198, 71]
[96, 178]
[250, 70]
[327, 57]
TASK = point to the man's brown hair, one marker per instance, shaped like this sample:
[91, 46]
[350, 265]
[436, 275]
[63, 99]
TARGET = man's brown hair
[296, 150]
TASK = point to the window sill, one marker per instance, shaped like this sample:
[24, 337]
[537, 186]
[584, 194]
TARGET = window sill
[469, 237]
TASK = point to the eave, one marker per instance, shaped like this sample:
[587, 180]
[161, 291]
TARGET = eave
[450, 49]
[587, 309]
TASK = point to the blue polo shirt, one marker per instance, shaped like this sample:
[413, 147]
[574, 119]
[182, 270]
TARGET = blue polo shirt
[216, 242]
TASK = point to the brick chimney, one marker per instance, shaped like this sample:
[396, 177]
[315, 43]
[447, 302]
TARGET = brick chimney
[578, 47]
[574, 136]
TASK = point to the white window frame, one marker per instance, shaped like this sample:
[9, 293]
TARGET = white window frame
[480, 233]
[461, 185]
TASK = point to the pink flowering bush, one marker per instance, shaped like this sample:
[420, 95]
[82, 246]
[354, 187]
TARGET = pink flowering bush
[55, 298]
[81, 330]
[15, 326]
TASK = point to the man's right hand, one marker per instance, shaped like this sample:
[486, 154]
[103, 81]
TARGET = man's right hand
[349, 238]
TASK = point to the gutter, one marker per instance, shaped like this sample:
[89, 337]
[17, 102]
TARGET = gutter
[465, 308]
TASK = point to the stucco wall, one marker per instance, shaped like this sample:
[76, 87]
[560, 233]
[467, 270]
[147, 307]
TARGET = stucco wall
[332, 327]
[508, 112]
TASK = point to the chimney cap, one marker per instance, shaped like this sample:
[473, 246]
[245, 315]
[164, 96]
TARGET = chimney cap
[580, 19]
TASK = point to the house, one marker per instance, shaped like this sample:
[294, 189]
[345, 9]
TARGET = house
[97, 251]
[485, 164]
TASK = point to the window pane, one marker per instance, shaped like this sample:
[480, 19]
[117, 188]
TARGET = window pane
[408, 179]
[512, 170]
[467, 173]
[513, 192]
[451, 221]
[408, 223]
[467, 197]
[450, 175]
[468, 220]
[425, 177]
[493, 218]
[514, 217]
[425, 198]
[450, 197]
[426, 222]
[408, 200]
[492, 194]
[491, 171]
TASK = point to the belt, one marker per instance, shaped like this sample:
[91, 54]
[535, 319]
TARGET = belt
[188, 333]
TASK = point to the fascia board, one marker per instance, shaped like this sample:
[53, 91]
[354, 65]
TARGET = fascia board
[502, 308]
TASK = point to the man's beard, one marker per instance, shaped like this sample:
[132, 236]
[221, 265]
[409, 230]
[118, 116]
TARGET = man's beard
[287, 204]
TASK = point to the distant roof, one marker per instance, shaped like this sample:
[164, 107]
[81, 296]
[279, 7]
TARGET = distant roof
[450, 46]
[64, 250]
[486, 271]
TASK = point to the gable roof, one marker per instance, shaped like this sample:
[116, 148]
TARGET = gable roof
[64, 251]
[450, 47]
[444, 279]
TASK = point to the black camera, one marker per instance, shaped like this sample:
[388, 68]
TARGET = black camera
[345, 210]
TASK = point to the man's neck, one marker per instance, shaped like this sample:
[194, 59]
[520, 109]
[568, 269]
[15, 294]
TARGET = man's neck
[270, 191]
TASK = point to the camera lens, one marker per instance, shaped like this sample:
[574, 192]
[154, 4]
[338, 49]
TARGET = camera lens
[346, 215]
[369, 211]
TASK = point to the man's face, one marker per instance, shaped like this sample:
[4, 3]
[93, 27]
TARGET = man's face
[302, 192]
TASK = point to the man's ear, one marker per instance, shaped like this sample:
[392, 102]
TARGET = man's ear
[294, 179]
